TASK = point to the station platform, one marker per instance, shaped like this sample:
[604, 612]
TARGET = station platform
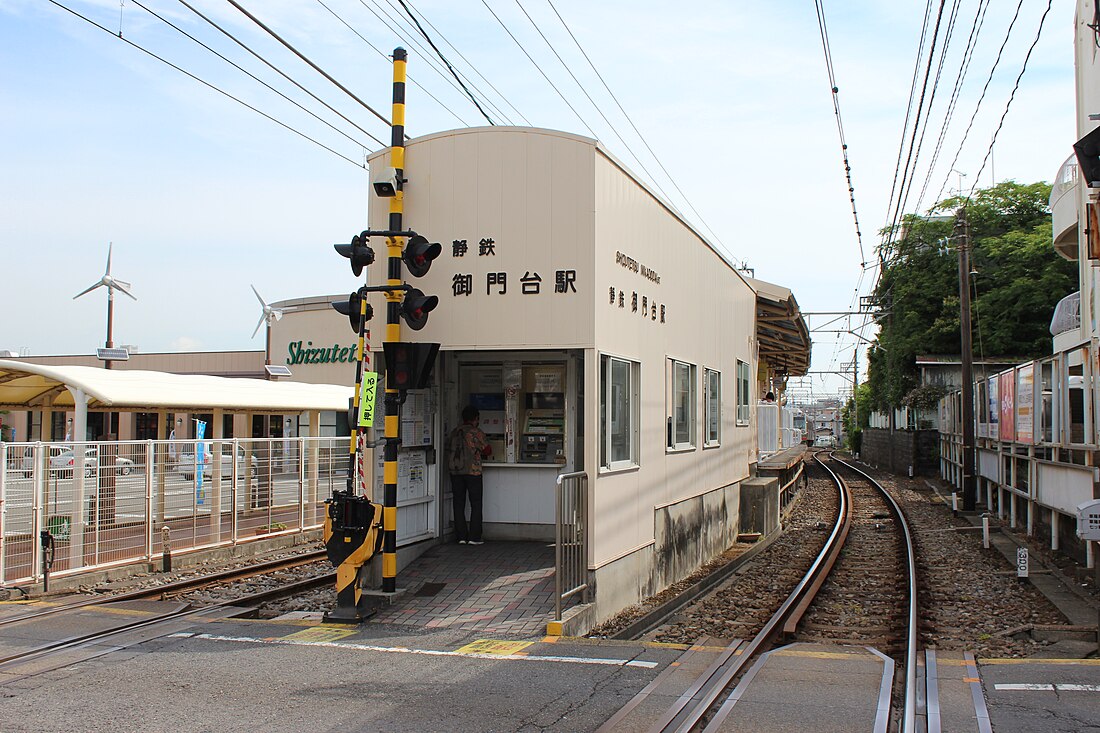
[504, 588]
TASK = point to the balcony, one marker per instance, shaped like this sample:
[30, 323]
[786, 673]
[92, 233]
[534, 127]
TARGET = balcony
[1063, 207]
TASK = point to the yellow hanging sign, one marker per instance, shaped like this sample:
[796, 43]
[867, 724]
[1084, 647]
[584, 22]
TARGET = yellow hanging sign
[367, 394]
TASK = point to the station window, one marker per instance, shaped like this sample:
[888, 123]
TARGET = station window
[681, 420]
[712, 404]
[522, 409]
[742, 393]
[618, 412]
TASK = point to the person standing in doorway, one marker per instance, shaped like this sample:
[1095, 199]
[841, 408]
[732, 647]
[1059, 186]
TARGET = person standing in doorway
[466, 447]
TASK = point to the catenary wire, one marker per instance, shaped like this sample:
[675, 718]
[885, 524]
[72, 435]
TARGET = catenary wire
[839, 123]
[254, 77]
[889, 232]
[206, 83]
[636, 130]
[948, 33]
[312, 65]
[448, 63]
[381, 53]
[968, 55]
[899, 209]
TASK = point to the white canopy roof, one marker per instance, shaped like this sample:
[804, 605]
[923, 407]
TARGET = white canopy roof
[24, 385]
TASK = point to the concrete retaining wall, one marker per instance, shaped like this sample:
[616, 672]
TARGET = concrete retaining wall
[899, 450]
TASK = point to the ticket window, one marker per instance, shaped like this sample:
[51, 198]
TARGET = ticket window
[522, 410]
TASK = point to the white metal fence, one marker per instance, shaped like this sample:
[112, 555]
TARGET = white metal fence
[108, 503]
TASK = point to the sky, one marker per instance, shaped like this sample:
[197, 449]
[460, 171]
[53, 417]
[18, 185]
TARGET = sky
[200, 196]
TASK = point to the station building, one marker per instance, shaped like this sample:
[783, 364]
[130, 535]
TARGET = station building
[597, 332]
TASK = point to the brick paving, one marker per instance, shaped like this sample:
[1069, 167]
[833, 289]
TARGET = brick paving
[499, 587]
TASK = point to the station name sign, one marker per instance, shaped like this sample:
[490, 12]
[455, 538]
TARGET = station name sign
[633, 265]
[297, 354]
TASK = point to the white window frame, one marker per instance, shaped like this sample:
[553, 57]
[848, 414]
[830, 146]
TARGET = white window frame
[632, 413]
[744, 379]
[672, 444]
[712, 387]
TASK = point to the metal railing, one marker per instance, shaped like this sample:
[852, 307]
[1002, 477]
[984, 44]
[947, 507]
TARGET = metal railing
[571, 539]
[108, 503]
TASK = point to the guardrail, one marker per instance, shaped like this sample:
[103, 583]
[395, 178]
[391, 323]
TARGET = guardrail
[94, 505]
[571, 539]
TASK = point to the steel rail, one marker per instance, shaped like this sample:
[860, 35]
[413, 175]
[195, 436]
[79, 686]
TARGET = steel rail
[910, 714]
[253, 599]
[177, 587]
[688, 711]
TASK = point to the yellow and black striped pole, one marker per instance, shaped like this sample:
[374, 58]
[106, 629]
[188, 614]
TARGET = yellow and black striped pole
[394, 297]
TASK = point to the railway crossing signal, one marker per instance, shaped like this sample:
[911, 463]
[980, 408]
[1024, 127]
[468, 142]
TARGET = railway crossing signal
[354, 309]
[359, 252]
[415, 308]
[418, 255]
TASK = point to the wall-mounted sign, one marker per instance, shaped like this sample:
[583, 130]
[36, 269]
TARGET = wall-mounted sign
[650, 310]
[634, 266]
[297, 354]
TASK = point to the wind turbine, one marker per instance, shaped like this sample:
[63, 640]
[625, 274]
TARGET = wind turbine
[112, 284]
[270, 315]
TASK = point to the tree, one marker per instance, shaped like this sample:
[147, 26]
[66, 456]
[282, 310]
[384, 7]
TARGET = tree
[1019, 281]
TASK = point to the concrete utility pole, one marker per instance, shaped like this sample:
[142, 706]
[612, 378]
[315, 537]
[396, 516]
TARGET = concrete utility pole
[962, 244]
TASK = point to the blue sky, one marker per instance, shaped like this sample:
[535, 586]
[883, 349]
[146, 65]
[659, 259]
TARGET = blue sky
[201, 196]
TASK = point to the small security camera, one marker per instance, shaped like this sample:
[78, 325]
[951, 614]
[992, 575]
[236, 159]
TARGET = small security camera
[386, 184]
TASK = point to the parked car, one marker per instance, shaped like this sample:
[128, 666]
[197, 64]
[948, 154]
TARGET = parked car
[186, 462]
[62, 459]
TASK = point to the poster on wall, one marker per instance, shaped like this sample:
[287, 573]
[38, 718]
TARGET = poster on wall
[1025, 404]
[994, 406]
[1007, 389]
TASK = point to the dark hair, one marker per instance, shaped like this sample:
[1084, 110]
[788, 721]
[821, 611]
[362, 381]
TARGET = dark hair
[770, 396]
[470, 413]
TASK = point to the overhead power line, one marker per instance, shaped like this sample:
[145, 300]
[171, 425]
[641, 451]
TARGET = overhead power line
[253, 76]
[448, 63]
[312, 65]
[205, 83]
[839, 123]
[1011, 97]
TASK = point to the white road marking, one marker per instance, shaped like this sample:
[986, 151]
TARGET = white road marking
[1060, 687]
[426, 652]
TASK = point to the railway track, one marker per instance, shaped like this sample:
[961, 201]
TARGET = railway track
[183, 611]
[807, 611]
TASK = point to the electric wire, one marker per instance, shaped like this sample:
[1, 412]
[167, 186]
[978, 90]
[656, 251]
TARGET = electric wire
[839, 123]
[401, 28]
[981, 98]
[590, 100]
[899, 209]
[394, 19]
[931, 102]
[472, 67]
[253, 76]
[312, 65]
[448, 63]
[889, 233]
[638, 132]
[205, 83]
[538, 68]
[968, 55]
[1011, 97]
[383, 54]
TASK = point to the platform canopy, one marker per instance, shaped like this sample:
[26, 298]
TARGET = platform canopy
[781, 330]
[36, 386]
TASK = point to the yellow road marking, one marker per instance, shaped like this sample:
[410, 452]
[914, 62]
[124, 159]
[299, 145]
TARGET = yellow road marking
[492, 646]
